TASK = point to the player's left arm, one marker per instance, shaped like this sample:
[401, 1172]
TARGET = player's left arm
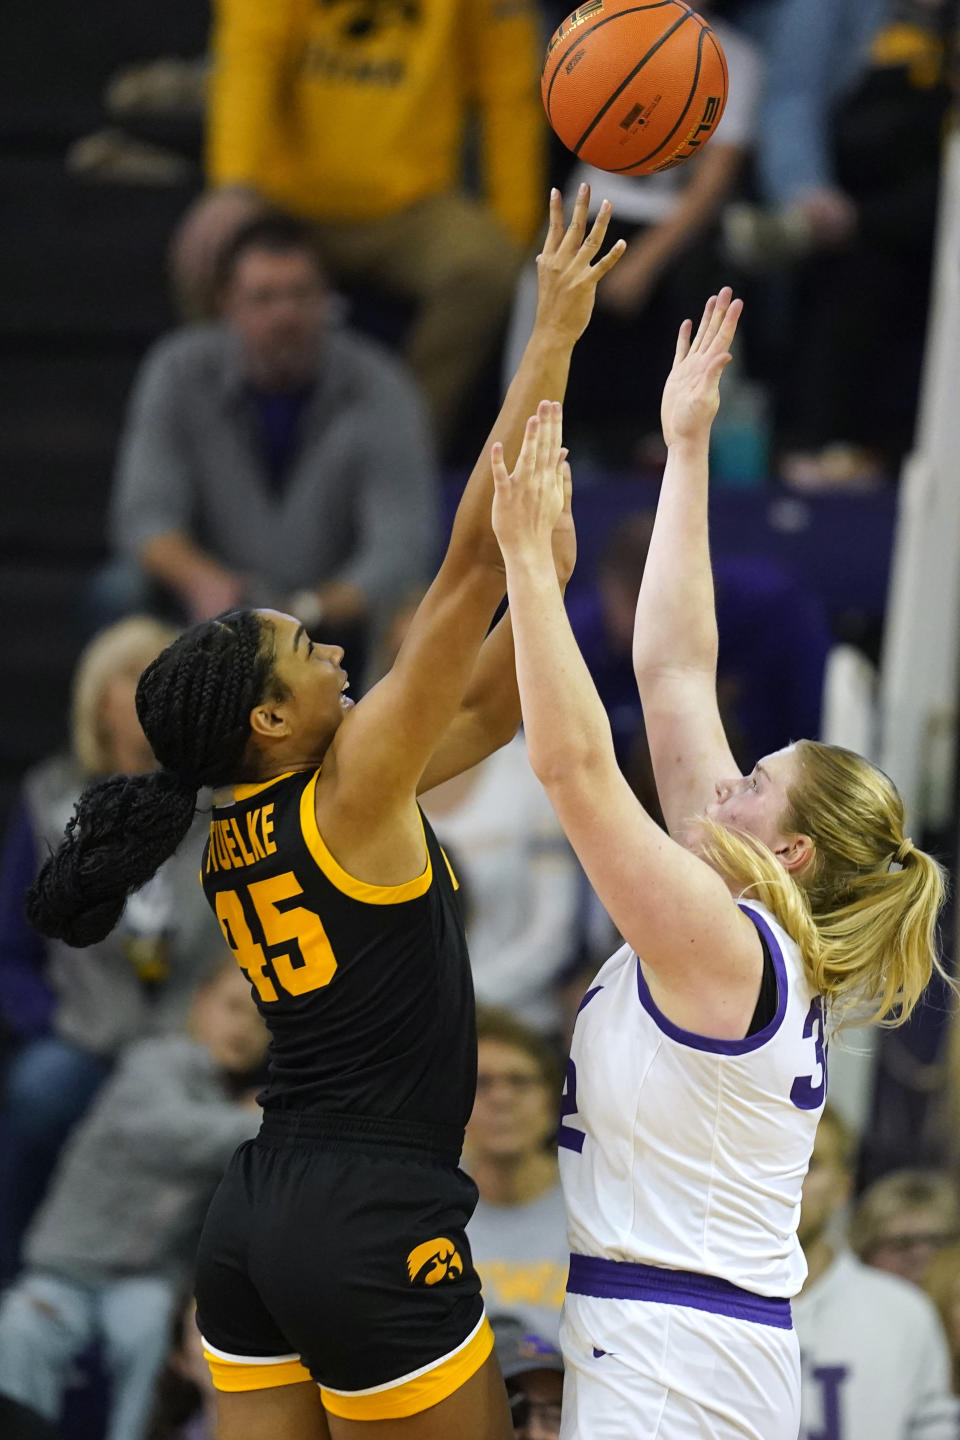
[666, 902]
[488, 717]
[490, 713]
[501, 57]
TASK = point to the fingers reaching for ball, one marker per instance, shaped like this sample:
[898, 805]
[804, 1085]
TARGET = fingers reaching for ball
[691, 396]
[568, 270]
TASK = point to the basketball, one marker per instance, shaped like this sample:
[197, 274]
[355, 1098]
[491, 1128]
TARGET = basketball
[634, 88]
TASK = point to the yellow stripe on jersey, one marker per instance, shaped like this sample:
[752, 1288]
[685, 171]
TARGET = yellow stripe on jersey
[246, 792]
[251, 1374]
[356, 889]
[418, 1392]
[446, 861]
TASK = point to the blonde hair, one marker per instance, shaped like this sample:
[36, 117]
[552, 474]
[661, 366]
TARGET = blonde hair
[125, 648]
[890, 1196]
[863, 909]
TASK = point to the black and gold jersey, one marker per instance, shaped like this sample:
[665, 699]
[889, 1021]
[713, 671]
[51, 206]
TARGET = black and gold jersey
[366, 989]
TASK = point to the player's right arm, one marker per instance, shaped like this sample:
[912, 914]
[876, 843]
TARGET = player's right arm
[380, 752]
[675, 634]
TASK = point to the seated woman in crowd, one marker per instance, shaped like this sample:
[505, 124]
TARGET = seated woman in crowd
[70, 1012]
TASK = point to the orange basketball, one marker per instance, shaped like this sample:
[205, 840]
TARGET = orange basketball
[634, 88]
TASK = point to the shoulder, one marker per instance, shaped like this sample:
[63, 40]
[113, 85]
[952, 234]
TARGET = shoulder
[57, 777]
[782, 945]
[181, 355]
[50, 791]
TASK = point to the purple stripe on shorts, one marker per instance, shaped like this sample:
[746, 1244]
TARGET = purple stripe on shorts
[706, 1042]
[628, 1280]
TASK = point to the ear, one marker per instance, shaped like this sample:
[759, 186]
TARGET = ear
[795, 853]
[269, 719]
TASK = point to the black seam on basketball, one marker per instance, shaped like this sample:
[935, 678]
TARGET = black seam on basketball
[621, 169]
[723, 61]
[657, 5]
[626, 81]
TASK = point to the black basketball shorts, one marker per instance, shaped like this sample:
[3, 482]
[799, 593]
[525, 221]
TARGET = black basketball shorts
[346, 1262]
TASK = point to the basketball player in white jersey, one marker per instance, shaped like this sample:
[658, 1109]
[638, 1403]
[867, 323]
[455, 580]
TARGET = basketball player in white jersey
[780, 901]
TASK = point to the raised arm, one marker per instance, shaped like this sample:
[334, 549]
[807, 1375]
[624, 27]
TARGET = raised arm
[701, 956]
[383, 748]
[675, 635]
[490, 713]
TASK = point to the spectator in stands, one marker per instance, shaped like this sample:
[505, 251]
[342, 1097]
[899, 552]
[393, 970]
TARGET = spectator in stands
[70, 1011]
[941, 1281]
[354, 116]
[849, 164]
[532, 1370]
[274, 458]
[873, 1354]
[518, 1234]
[521, 881]
[904, 1220]
[111, 1246]
[670, 221]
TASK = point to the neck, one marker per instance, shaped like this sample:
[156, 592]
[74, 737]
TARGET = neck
[515, 1180]
[819, 1257]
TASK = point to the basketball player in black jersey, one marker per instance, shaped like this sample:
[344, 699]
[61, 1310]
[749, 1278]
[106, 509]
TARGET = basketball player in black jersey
[336, 1293]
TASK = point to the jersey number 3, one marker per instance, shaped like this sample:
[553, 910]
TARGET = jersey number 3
[300, 956]
[804, 1093]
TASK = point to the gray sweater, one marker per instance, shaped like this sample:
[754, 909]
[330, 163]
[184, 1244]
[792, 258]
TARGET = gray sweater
[360, 502]
[137, 1173]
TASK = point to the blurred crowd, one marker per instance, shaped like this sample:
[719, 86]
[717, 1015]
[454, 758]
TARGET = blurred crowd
[353, 278]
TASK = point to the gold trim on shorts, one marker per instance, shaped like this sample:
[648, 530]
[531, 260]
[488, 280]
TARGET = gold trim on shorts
[420, 1389]
[253, 1372]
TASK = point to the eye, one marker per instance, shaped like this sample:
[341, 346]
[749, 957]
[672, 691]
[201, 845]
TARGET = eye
[310, 649]
[754, 782]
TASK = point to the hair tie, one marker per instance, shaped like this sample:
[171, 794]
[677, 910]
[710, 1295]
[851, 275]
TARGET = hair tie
[904, 849]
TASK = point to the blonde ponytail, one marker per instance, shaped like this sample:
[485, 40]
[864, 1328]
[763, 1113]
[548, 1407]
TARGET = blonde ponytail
[863, 911]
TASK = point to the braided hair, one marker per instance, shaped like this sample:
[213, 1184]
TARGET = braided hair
[193, 702]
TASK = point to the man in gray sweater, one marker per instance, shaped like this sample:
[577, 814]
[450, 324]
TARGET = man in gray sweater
[275, 458]
[111, 1249]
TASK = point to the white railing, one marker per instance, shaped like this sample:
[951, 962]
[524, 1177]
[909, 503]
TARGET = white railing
[921, 646]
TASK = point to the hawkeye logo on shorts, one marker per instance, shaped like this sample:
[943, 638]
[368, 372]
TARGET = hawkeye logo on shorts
[433, 1261]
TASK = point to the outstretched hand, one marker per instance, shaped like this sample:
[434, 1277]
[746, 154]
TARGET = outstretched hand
[528, 503]
[567, 276]
[691, 396]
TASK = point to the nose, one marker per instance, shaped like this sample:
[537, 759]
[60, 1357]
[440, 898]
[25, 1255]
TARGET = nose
[723, 789]
[335, 654]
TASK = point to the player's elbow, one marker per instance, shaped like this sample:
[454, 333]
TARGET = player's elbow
[571, 766]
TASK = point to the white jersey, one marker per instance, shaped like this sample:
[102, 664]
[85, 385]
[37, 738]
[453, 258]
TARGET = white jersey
[688, 1153]
[874, 1359]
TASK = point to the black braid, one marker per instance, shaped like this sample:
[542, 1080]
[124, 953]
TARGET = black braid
[194, 703]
